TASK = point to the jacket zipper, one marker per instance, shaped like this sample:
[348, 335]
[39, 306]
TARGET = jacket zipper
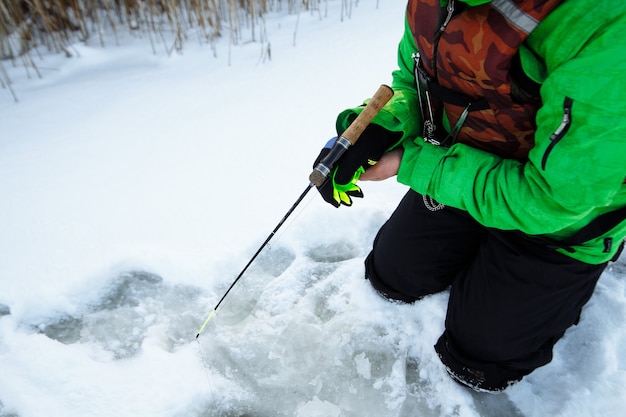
[558, 134]
[442, 28]
[425, 101]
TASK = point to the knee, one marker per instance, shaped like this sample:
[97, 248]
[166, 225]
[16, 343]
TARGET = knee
[383, 288]
[402, 278]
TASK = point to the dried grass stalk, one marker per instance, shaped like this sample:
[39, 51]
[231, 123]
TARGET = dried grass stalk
[26, 26]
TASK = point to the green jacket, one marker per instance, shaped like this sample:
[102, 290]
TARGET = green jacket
[577, 52]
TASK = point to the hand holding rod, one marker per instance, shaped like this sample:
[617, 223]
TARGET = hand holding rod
[351, 135]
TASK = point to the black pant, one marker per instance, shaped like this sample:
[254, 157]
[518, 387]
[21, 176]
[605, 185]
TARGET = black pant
[511, 297]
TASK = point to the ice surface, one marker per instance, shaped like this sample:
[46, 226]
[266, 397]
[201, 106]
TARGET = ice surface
[135, 188]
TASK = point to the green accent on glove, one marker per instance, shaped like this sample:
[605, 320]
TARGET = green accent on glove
[343, 193]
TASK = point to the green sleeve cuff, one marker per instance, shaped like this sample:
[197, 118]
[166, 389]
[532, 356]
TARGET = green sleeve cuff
[419, 162]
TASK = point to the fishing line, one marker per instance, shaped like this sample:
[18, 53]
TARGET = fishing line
[206, 370]
[317, 177]
[278, 236]
[296, 215]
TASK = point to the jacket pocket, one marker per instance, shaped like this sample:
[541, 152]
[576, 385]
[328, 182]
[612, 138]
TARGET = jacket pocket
[560, 132]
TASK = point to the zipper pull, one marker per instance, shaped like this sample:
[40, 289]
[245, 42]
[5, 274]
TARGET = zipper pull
[444, 24]
[450, 9]
[565, 122]
[560, 131]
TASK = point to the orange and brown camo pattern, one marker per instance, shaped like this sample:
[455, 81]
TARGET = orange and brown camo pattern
[473, 57]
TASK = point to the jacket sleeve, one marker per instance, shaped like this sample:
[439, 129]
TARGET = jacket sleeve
[576, 169]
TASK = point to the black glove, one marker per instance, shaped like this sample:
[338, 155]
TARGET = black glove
[341, 186]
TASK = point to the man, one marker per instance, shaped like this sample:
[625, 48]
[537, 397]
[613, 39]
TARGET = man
[508, 123]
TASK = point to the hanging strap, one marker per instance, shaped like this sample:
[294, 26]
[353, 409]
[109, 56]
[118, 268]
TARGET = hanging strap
[597, 227]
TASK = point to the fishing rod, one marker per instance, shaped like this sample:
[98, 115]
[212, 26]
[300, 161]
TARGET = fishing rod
[320, 174]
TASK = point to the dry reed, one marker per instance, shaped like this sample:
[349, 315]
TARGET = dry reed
[29, 26]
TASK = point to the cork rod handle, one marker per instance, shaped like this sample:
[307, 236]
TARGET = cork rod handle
[351, 135]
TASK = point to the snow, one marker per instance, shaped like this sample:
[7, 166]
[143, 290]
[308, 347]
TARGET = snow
[135, 188]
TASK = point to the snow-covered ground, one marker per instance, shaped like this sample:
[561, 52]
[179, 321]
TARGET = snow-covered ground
[135, 186]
